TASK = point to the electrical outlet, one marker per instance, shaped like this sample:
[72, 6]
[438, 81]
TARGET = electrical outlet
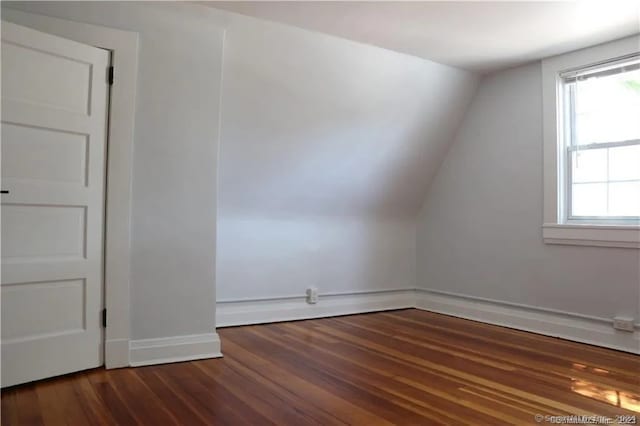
[623, 324]
[312, 295]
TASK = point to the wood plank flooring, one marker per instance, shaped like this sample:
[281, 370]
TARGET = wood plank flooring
[405, 367]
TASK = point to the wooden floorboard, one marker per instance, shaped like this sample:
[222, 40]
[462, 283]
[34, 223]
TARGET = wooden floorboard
[407, 367]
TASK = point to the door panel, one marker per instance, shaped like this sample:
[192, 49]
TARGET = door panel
[31, 153]
[41, 232]
[22, 300]
[54, 115]
[23, 82]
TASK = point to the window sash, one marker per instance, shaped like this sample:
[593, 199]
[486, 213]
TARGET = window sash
[602, 145]
[602, 69]
[569, 80]
[569, 182]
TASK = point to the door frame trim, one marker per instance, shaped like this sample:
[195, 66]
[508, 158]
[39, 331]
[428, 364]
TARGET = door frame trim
[117, 236]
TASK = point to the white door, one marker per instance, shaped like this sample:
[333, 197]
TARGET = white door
[54, 115]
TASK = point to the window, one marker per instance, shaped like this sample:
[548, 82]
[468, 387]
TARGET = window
[591, 146]
[601, 126]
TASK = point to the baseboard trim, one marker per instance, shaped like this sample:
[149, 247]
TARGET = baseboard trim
[565, 325]
[257, 311]
[174, 349]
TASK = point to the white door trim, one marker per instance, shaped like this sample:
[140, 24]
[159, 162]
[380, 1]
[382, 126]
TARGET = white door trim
[124, 48]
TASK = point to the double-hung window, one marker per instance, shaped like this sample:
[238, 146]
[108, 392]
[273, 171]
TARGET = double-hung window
[601, 126]
[591, 131]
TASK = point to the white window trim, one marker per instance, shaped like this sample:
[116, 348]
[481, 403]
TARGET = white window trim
[556, 230]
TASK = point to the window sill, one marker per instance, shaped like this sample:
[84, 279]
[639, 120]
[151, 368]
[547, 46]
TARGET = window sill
[592, 235]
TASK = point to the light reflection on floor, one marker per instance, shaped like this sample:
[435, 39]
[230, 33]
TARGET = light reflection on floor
[622, 399]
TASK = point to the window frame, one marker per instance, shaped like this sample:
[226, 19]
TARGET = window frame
[559, 226]
[568, 123]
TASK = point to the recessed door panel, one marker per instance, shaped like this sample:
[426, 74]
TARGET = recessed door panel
[54, 115]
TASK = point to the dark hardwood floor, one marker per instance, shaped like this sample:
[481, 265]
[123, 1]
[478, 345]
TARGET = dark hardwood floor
[401, 367]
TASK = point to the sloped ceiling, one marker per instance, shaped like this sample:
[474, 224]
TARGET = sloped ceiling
[316, 125]
[477, 35]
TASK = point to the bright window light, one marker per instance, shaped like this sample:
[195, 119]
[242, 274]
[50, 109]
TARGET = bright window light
[602, 141]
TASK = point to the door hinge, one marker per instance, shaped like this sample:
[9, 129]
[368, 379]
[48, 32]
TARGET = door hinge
[110, 75]
[104, 317]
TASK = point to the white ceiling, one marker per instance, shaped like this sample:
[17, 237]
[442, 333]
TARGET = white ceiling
[478, 36]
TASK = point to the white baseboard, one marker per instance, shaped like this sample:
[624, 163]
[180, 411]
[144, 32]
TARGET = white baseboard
[566, 325]
[569, 326]
[242, 312]
[174, 349]
[117, 353]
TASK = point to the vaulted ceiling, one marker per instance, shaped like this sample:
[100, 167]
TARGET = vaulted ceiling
[317, 125]
[480, 36]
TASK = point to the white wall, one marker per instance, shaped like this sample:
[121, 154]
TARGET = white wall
[261, 257]
[327, 147]
[174, 173]
[326, 151]
[480, 230]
